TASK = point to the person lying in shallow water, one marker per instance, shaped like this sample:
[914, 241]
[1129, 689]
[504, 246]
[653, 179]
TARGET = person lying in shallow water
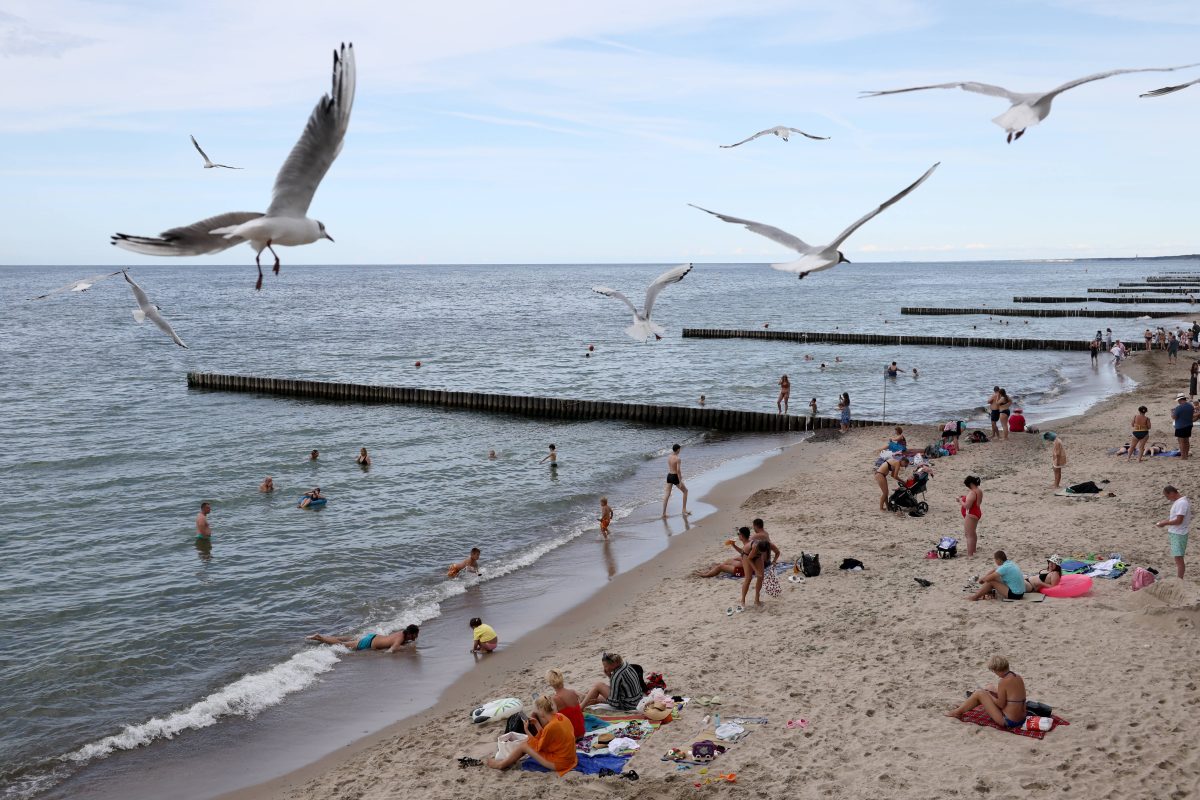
[391, 642]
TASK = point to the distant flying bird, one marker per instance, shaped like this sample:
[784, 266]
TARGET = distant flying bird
[77, 286]
[286, 221]
[782, 131]
[208, 164]
[818, 257]
[1169, 89]
[148, 311]
[642, 328]
[1028, 108]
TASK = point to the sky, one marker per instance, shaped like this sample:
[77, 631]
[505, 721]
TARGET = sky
[560, 131]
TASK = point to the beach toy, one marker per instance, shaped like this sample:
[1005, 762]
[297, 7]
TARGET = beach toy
[503, 708]
[318, 503]
[1069, 586]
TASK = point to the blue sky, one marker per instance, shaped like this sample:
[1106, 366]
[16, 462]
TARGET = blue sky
[560, 131]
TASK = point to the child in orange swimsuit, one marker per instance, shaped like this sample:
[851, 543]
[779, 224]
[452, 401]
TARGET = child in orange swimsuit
[606, 515]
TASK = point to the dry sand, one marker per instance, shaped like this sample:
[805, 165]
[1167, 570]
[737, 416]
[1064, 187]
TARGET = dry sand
[871, 659]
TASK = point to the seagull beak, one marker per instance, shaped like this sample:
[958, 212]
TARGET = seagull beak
[327, 236]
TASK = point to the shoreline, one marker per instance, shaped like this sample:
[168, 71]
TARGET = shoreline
[730, 498]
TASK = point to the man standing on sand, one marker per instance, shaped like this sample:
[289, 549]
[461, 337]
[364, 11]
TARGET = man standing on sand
[675, 478]
[1183, 413]
[1177, 525]
[203, 531]
[994, 410]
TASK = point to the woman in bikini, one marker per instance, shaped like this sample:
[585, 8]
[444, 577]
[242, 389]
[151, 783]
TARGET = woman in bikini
[1006, 703]
[785, 391]
[891, 467]
[1141, 434]
[972, 511]
[1050, 577]
[758, 556]
[1004, 404]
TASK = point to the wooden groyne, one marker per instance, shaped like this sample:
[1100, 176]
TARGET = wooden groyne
[1171, 279]
[1146, 285]
[1144, 289]
[521, 405]
[1102, 300]
[837, 337]
[1039, 312]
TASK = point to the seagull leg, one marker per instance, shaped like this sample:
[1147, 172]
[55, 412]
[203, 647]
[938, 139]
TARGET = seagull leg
[802, 274]
[1020, 133]
[1009, 140]
[272, 249]
[258, 263]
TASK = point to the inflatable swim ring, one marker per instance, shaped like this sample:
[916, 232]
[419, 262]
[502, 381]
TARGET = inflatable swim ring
[503, 708]
[318, 503]
[1069, 586]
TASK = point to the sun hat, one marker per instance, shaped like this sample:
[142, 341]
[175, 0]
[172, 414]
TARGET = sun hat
[1055, 559]
[1181, 396]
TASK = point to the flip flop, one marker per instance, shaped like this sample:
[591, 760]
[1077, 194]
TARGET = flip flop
[729, 611]
[467, 761]
[738, 609]
[796, 578]
[797, 723]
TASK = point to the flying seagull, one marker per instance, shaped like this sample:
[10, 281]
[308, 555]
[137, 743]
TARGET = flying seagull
[642, 328]
[148, 311]
[208, 164]
[77, 286]
[286, 221]
[1028, 108]
[1169, 89]
[814, 258]
[782, 131]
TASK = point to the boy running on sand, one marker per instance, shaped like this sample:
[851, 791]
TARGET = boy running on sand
[470, 563]
[606, 515]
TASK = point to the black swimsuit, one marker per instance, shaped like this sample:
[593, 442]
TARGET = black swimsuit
[673, 478]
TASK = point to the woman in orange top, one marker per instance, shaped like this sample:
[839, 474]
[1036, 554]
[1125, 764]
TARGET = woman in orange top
[551, 741]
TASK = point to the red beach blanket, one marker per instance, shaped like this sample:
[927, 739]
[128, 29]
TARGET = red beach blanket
[979, 716]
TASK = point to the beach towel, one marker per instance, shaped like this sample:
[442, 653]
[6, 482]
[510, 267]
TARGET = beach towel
[979, 716]
[588, 764]
[591, 722]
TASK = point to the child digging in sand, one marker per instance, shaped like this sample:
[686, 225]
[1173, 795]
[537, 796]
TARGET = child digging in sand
[606, 515]
[470, 563]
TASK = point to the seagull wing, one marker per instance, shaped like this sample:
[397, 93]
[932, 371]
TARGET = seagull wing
[189, 240]
[749, 138]
[203, 154]
[147, 310]
[809, 135]
[1102, 75]
[226, 166]
[142, 300]
[604, 290]
[320, 143]
[841, 237]
[670, 276]
[68, 287]
[1169, 89]
[164, 326]
[967, 86]
[774, 234]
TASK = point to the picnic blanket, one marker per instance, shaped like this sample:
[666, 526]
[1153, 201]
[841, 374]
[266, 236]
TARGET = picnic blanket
[979, 716]
[588, 764]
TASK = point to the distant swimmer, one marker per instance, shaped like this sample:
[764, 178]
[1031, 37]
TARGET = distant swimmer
[203, 531]
[308, 498]
[470, 564]
[268, 485]
[606, 515]
[675, 478]
[552, 457]
[915, 375]
[491, 455]
[701, 399]
[314, 455]
[812, 406]
[391, 642]
[892, 370]
[363, 459]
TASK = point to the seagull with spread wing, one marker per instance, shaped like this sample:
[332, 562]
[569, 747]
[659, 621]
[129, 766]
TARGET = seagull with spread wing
[642, 328]
[77, 286]
[286, 221]
[782, 131]
[1169, 89]
[1028, 108]
[208, 164]
[814, 258]
[148, 311]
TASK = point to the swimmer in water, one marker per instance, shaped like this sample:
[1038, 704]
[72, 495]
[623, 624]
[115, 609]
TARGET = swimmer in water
[470, 563]
[309, 497]
[314, 455]
[268, 485]
[491, 455]
[363, 459]
[203, 531]
[390, 642]
[552, 457]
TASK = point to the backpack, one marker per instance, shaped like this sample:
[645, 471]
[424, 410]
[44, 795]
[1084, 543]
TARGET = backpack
[1142, 578]
[977, 437]
[852, 563]
[947, 547]
[640, 675]
[1087, 487]
[810, 565]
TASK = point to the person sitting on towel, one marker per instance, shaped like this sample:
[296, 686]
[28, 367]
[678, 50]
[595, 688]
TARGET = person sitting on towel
[551, 741]
[1050, 577]
[622, 690]
[731, 566]
[1005, 581]
[1005, 703]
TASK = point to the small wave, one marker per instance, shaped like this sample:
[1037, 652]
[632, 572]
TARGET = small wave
[246, 697]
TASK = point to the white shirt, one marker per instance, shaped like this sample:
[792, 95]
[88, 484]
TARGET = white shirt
[1181, 507]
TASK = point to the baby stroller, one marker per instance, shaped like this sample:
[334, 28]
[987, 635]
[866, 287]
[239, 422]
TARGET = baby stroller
[905, 497]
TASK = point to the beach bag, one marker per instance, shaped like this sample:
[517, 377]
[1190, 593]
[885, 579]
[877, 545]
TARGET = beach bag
[1087, 487]
[641, 676]
[810, 565]
[516, 723]
[852, 563]
[947, 547]
[654, 681]
[1142, 578]
[706, 750]
[507, 743]
[771, 583]
[1038, 709]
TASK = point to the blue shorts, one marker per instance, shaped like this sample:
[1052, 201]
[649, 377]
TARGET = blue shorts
[365, 642]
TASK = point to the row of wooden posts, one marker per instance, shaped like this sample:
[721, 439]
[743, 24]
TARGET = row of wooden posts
[1151, 300]
[838, 337]
[522, 405]
[1038, 312]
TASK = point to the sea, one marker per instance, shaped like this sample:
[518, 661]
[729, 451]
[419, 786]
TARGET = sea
[132, 660]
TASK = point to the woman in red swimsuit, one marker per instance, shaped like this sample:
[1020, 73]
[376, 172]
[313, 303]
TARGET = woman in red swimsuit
[972, 511]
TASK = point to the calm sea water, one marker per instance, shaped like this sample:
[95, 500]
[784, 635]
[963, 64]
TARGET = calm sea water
[115, 631]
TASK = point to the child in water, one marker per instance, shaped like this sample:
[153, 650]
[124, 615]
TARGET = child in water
[470, 563]
[606, 515]
[552, 457]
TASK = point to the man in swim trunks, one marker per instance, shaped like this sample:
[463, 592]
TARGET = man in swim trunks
[675, 478]
[552, 457]
[1183, 413]
[994, 410]
[391, 642]
[1177, 526]
[1005, 582]
[892, 370]
[203, 531]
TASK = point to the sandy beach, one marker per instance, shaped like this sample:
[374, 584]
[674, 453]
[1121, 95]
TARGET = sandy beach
[871, 659]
